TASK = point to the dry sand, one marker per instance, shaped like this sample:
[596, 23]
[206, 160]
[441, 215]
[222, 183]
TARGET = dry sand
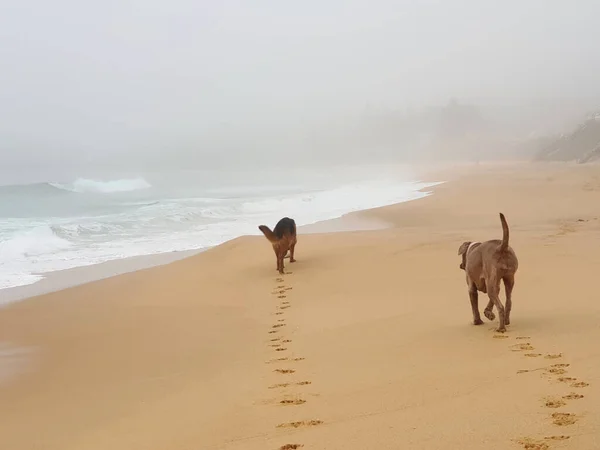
[366, 344]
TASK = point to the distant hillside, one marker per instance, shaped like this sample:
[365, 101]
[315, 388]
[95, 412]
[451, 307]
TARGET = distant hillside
[581, 145]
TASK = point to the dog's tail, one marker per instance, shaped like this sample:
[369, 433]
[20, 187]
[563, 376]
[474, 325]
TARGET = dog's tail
[505, 233]
[268, 233]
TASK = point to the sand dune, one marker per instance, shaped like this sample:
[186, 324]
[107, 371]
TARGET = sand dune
[365, 344]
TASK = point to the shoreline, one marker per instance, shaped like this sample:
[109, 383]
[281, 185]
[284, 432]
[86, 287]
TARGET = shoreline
[63, 279]
[77, 276]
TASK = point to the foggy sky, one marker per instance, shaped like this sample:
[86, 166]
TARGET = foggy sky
[88, 81]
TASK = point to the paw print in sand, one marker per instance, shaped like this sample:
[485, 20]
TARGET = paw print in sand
[564, 419]
[300, 424]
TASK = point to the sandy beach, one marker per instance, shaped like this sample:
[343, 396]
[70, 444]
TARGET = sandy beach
[366, 343]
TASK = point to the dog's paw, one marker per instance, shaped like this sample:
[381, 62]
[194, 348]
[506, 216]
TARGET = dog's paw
[490, 315]
[478, 322]
[501, 330]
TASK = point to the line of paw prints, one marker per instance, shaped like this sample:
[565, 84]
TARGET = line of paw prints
[278, 344]
[557, 370]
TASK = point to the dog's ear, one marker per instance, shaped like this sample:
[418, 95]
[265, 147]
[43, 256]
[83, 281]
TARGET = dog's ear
[463, 248]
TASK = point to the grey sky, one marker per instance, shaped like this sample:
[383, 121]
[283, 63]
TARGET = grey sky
[87, 79]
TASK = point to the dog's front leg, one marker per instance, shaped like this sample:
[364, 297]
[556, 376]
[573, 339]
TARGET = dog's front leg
[474, 297]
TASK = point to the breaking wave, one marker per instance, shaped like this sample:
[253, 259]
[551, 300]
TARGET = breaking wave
[85, 185]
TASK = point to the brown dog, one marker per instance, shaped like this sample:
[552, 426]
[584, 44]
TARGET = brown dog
[283, 238]
[486, 264]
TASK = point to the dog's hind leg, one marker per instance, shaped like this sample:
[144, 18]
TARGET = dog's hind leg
[494, 294]
[474, 297]
[292, 247]
[280, 256]
[509, 283]
[488, 311]
[276, 250]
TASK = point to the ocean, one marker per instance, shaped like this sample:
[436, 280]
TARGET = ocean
[58, 224]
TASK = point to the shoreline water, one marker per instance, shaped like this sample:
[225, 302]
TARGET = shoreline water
[62, 279]
[45, 228]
